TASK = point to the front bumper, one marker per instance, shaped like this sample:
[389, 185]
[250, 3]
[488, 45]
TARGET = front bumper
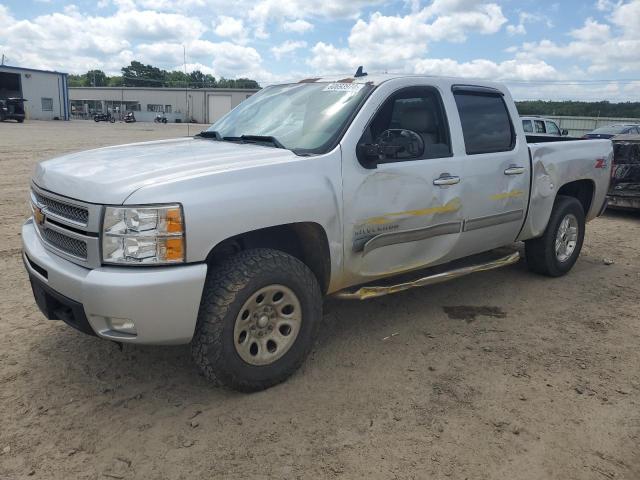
[162, 302]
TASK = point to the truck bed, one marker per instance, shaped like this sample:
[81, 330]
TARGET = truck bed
[557, 163]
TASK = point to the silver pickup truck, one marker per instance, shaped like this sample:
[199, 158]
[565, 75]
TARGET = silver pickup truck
[327, 186]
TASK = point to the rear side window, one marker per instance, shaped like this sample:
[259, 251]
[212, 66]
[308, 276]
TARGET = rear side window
[528, 126]
[486, 125]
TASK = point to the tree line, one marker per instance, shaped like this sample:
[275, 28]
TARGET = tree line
[579, 109]
[138, 74]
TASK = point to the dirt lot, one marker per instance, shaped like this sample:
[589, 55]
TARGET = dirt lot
[543, 383]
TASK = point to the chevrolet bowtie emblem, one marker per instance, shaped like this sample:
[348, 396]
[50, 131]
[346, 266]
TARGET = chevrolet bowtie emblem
[38, 215]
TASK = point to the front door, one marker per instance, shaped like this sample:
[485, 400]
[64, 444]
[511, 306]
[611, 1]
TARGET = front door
[406, 212]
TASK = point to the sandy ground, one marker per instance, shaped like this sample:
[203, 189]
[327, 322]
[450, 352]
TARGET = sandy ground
[543, 383]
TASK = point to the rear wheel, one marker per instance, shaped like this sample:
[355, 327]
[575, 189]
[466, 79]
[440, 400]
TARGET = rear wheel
[258, 318]
[557, 250]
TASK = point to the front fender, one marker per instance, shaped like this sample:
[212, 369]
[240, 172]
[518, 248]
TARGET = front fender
[225, 204]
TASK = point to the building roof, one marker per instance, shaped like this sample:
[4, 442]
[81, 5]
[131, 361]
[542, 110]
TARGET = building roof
[10, 67]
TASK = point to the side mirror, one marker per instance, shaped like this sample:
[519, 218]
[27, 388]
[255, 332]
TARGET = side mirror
[564, 132]
[368, 155]
[394, 144]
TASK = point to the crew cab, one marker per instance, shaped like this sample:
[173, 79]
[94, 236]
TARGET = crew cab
[327, 186]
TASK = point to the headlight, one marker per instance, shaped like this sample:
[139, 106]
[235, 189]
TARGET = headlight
[143, 235]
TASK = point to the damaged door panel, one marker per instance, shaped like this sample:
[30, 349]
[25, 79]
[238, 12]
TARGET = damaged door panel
[405, 212]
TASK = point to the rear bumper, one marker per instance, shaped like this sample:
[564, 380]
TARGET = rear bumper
[626, 202]
[162, 302]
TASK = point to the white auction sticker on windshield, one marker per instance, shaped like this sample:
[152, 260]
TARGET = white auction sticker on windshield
[343, 87]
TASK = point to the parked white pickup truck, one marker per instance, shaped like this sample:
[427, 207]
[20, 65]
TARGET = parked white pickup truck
[229, 240]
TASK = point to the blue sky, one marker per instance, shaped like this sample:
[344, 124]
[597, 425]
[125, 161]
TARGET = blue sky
[551, 50]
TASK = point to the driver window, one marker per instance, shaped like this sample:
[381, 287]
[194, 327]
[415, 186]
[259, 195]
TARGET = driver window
[419, 110]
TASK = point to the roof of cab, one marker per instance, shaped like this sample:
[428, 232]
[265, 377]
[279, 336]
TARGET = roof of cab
[379, 78]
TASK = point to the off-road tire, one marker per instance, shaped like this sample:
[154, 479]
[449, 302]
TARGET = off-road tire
[540, 252]
[226, 289]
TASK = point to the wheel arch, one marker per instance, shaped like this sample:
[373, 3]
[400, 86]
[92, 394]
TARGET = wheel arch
[583, 190]
[306, 241]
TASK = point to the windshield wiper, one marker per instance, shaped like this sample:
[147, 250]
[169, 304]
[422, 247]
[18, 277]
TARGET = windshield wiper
[242, 138]
[262, 138]
[210, 134]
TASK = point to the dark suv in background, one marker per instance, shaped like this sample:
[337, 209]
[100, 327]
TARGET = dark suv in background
[12, 109]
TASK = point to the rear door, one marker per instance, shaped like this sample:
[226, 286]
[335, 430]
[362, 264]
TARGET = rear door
[496, 170]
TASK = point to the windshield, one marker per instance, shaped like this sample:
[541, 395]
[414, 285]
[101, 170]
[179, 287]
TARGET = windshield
[611, 129]
[304, 117]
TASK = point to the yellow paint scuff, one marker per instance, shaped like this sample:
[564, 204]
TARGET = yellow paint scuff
[511, 194]
[452, 206]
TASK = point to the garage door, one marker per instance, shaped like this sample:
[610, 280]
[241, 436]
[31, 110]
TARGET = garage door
[218, 105]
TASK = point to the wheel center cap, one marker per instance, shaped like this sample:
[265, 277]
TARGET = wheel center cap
[263, 321]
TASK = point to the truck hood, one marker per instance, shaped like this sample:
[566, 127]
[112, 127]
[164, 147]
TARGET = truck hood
[109, 175]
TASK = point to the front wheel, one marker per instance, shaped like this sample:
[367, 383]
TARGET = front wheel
[557, 250]
[258, 318]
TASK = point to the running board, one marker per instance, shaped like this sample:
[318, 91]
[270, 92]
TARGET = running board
[364, 293]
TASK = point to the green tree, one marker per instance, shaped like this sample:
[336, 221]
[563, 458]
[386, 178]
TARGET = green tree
[76, 80]
[95, 78]
[139, 75]
[116, 81]
[176, 78]
[201, 80]
[579, 109]
[246, 83]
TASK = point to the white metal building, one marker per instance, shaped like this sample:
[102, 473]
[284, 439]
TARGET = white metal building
[46, 92]
[202, 105]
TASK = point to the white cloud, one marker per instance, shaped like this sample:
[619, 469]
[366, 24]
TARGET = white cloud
[284, 11]
[487, 69]
[230, 27]
[287, 47]
[607, 48]
[297, 26]
[516, 29]
[527, 17]
[68, 42]
[390, 42]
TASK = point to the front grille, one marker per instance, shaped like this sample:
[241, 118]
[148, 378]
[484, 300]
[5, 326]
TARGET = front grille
[64, 210]
[71, 246]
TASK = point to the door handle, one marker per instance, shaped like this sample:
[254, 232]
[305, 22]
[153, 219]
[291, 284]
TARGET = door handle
[514, 170]
[446, 179]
